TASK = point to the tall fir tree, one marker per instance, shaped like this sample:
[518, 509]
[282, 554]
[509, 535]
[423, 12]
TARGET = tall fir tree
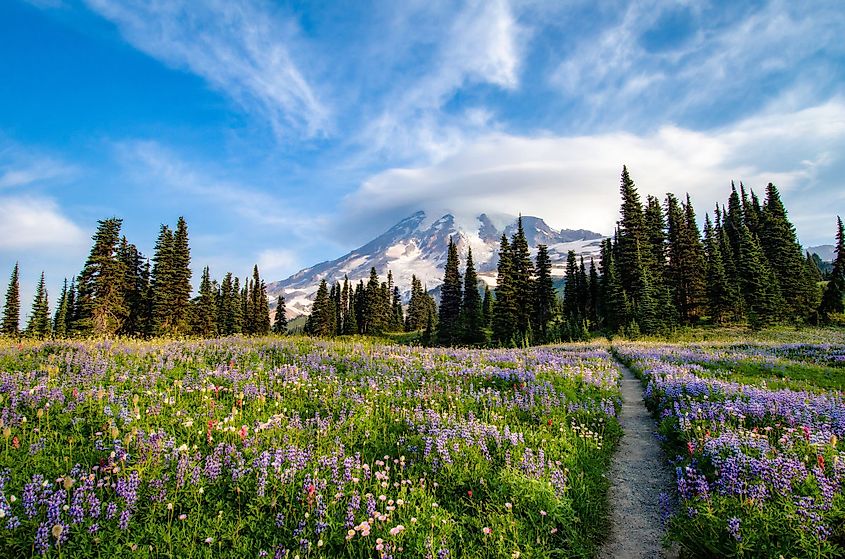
[12, 306]
[758, 284]
[504, 306]
[472, 314]
[259, 306]
[60, 316]
[785, 257]
[181, 279]
[832, 299]
[321, 320]
[522, 282]
[373, 311]
[135, 289]
[595, 294]
[573, 320]
[280, 322]
[448, 318]
[631, 238]
[544, 296]
[101, 304]
[162, 280]
[487, 307]
[717, 282]
[205, 307]
[418, 307]
[39, 319]
[397, 314]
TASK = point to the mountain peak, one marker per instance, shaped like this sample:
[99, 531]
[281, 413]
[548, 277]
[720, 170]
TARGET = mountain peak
[415, 246]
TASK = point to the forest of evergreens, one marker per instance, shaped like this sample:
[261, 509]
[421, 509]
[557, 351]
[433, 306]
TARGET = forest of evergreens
[658, 272]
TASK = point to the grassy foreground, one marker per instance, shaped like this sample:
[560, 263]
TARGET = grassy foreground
[297, 448]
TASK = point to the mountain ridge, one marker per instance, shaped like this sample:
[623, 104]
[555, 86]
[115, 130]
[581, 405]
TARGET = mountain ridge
[415, 246]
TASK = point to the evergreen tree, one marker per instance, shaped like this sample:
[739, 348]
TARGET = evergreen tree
[472, 312]
[280, 323]
[360, 303]
[758, 284]
[631, 237]
[448, 319]
[205, 311]
[101, 303]
[350, 320]
[397, 316]
[12, 306]
[135, 289]
[504, 307]
[595, 294]
[734, 302]
[785, 257]
[656, 263]
[259, 306]
[418, 307]
[321, 320]
[60, 317]
[72, 309]
[583, 289]
[373, 311]
[717, 283]
[544, 295]
[39, 320]
[522, 281]
[181, 279]
[162, 280]
[832, 302]
[686, 260]
[571, 312]
[487, 307]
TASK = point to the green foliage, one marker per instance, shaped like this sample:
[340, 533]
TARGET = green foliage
[12, 306]
[834, 293]
[101, 304]
[472, 317]
[451, 297]
[39, 325]
[280, 322]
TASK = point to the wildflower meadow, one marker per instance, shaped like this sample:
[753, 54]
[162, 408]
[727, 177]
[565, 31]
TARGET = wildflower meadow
[294, 448]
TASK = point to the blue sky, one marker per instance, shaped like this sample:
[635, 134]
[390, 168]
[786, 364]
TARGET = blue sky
[288, 133]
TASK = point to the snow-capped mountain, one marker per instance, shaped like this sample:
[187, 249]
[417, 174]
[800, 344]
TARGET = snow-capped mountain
[417, 246]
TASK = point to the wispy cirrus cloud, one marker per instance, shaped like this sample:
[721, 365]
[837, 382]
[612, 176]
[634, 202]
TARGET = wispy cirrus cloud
[687, 61]
[243, 49]
[20, 166]
[203, 184]
[482, 44]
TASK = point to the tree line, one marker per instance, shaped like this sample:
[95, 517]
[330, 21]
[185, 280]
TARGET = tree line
[369, 309]
[658, 272]
[120, 292]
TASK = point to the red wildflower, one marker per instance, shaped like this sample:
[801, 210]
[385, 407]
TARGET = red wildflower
[15, 442]
[549, 422]
[469, 493]
[820, 460]
[690, 447]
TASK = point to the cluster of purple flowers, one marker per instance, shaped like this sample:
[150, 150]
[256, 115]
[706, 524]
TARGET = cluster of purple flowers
[753, 453]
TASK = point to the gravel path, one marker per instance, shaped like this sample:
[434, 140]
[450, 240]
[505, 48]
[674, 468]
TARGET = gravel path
[638, 474]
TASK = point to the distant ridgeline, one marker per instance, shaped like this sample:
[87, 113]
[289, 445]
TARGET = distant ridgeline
[658, 272]
[120, 293]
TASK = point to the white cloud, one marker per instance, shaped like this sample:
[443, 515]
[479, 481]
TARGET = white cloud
[31, 222]
[241, 48]
[277, 263]
[573, 181]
